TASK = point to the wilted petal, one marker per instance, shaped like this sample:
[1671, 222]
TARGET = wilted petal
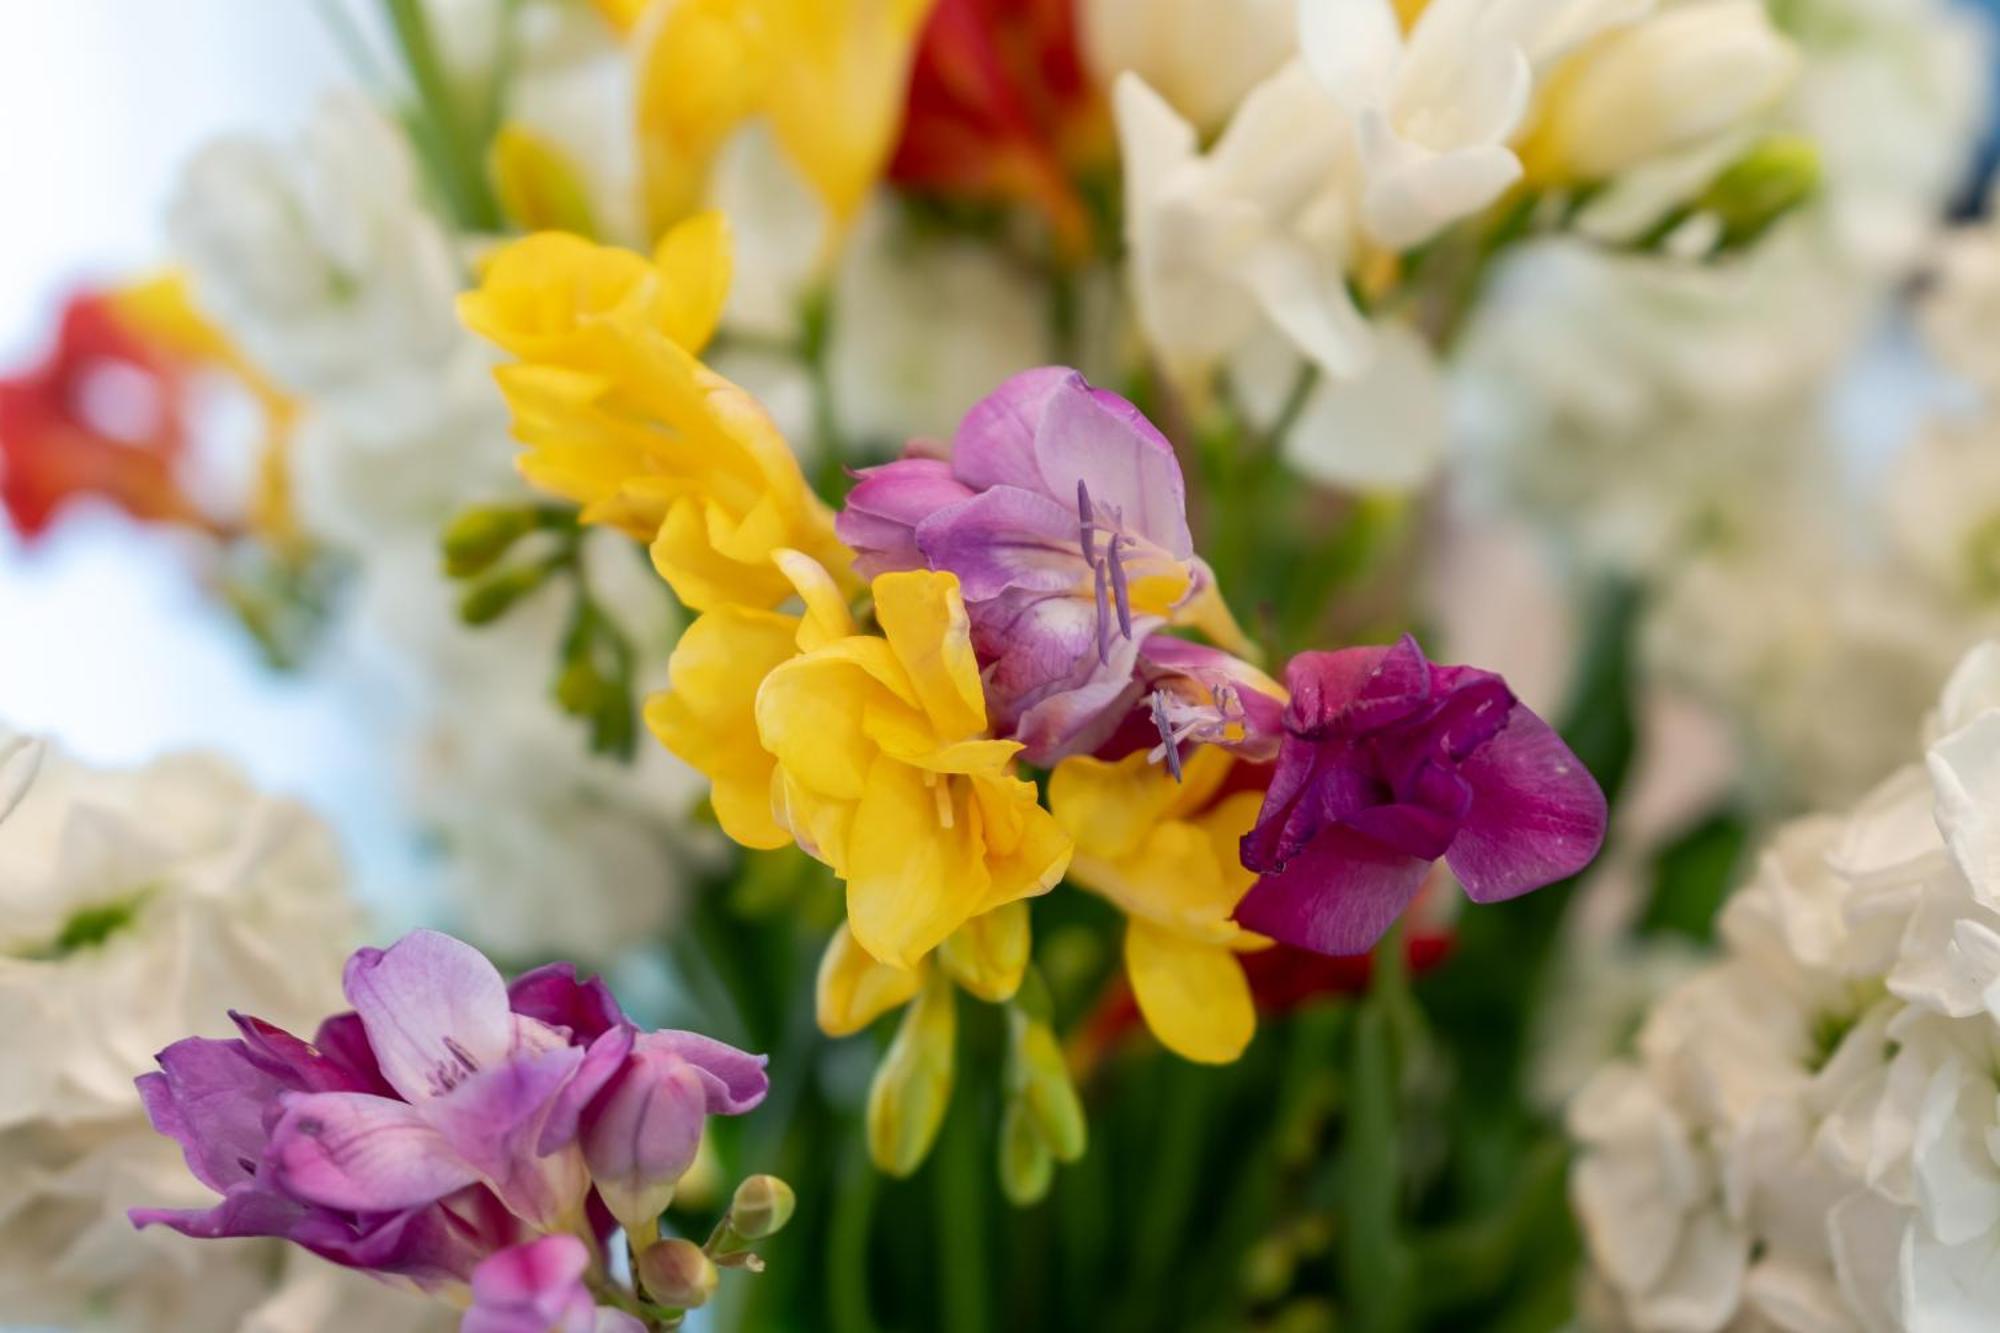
[368, 1154]
[435, 1009]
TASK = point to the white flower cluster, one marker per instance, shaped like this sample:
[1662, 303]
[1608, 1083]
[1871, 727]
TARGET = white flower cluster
[1808, 1139]
[136, 908]
[323, 261]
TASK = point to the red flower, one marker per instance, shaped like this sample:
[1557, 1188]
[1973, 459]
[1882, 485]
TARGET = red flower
[1001, 108]
[104, 414]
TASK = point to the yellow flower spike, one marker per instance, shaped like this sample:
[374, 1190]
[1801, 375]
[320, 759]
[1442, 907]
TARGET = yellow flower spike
[885, 773]
[829, 75]
[912, 1088]
[539, 188]
[853, 990]
[1165, 854]
[618, 416]
[988, 955]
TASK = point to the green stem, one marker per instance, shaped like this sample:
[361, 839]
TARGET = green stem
[962, 1186]
[846, 1273]
[457, 162]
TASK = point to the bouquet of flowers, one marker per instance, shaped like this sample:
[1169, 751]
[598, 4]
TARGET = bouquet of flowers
[919, 539]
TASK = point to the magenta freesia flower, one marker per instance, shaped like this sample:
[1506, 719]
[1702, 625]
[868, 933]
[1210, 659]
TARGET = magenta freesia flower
[1388, 763]
[1063, 514]
[447, 1119]
[538, 1287]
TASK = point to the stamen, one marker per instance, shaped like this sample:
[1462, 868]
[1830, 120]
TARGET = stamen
[1118, 588]
[941, 793]
[1103, 613]
[1170, 747]
[1086, 529]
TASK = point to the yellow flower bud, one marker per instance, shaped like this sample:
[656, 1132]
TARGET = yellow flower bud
[539, 188]
[1027, 1167]
[912, 1088]
[989, 954]
[762, 1206]
[1038, 1078]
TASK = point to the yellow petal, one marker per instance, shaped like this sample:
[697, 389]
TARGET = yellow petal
[1194, 997]
[1208, 612]
[535, 294]
[854, 990]
[988, 955]
[1110, 806]
[1027, 852]
[827, 617]
[812, 713]
[912, 1087]
[924, 619]
[911, 878]
[694, 262]
[707, 715]
[703, 69]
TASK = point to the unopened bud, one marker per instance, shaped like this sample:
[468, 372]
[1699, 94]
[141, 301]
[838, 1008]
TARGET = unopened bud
[853, 989]
[1039, 1079]
[678, 1274]
[486, 602]
[480, 536]
[989, 954]
[641, 1133]
[912, 1087]
[539, 187]
[1762, 186]
[762, 1206]
[1027, 1168]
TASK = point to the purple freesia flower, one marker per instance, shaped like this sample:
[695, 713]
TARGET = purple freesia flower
[445, 1120]
[538, 1287]
[1388, 763]
[1063, 514]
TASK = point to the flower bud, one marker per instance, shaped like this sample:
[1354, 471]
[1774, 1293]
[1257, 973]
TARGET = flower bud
[678, 1274]
[1762, 186]
[989, 954]
[1039, 1079]
[853, 989]
[1670, 82]
[641, 1134]
[1027, 1168]
[486, 602]
[481, 535]
[762, 1206]
[912, 1087]
[539, 187]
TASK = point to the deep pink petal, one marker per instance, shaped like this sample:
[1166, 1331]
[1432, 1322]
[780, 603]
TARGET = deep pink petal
[1095, 437]
[995, 443]
[1537, 815]
[1007, 539]
[552, 994]
[1356, 689]
[1338, 896]
[435, 1009]
[368, 1154]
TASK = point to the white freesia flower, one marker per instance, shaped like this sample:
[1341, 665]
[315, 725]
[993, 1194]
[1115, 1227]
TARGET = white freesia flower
[1825, 1101]
[1384, 431]
[1203, 56]
[1664, 85]
[1255, 232]
[136, 908]
[1433, 112]
[1944, 508]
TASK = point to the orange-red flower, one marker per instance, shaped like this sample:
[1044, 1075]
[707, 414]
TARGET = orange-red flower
[105, 414]
[1001, 108]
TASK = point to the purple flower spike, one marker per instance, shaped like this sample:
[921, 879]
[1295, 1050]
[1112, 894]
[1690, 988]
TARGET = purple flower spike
[1388, 763]
[443, 1131]
[538, 1288]
[1063, 514]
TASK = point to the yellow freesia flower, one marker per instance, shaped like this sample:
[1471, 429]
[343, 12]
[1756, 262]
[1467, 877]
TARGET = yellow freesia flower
[620, 417]
[884, 771]
[828, 75]
[1165, 853]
